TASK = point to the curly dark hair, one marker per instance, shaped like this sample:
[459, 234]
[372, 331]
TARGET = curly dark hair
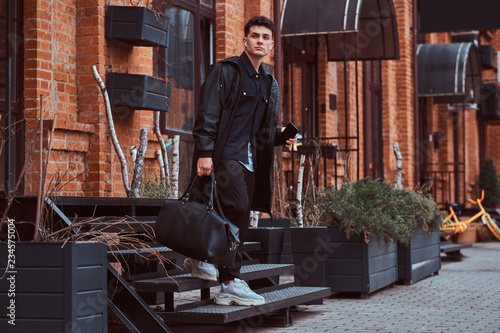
[259, 21]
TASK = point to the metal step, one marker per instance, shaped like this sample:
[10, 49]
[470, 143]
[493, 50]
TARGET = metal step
[186, 282]
[130, 307]
[138, 224]
[142, 255]
[221, 314]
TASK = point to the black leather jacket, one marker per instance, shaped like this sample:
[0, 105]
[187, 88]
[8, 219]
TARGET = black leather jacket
[218, 98]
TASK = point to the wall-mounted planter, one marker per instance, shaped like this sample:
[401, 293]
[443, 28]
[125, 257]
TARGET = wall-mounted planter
[57, 289]
[421, 258]
[137, 26]
[137, 91]
[490, 107]
[327, 258]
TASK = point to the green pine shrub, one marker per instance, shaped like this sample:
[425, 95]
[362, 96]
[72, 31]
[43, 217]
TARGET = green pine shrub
[375, 208]
[488, 181]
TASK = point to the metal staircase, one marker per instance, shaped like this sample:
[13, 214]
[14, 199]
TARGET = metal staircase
[144, 300]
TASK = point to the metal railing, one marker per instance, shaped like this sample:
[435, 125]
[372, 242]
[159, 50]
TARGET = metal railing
[448, 182]
[327, 160]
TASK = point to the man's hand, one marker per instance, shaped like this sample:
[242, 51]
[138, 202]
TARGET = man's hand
[204, 166]
[290, 142]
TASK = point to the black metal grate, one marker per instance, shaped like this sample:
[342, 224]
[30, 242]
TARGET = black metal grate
[185, 282]
[275, 300]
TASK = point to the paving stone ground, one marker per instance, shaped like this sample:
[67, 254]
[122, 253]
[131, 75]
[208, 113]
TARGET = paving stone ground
[463, 297]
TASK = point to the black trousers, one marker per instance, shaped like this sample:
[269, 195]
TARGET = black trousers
[235, 186]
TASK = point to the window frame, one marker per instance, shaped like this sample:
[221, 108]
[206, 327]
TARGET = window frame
[199, 10]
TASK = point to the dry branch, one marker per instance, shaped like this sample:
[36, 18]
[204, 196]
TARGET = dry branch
[175, 165]
[133, 153]
[163, 146]
[134, 237]
[300, 181]
[139, 164]
[43, 181]
[36, 236]
[159, 157]
[112, 131]
[10, 197]
[399, 165]
[254, 218]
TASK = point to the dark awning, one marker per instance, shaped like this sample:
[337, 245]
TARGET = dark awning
[449, 72]
[370, 23]
[454, 15]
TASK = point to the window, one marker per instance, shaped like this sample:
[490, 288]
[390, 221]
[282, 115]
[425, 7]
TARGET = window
[185, 63]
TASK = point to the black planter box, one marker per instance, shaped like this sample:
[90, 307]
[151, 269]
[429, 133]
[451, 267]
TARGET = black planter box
[137, 26]
[271, 245]
[136, 91]
[327, 258]
[57, 289]
[421, 258]
[286, 253]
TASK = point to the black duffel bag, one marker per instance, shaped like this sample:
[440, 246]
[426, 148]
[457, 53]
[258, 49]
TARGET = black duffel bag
[196, 230]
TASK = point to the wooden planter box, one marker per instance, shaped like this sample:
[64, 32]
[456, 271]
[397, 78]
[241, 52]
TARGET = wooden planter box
[286, 253]
[271, 245]
[56, 289]
[326, 257]
[136, 91]
[137, 26]
[421, 258]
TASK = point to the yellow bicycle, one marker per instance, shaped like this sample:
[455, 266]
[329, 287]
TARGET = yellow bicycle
[453, 224]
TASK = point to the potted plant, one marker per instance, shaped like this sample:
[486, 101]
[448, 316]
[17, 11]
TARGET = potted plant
[421, 256]
[488, 181]
[362, 222]
[60, 282]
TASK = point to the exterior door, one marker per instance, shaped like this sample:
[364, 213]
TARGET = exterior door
[300, 86]
[373, 142]
[299, 99]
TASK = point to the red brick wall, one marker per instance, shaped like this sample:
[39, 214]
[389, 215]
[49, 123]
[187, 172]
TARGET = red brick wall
[63, 40]
[492, 129]
[440, 119]
[398, 99]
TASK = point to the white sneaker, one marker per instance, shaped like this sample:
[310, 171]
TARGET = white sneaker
[238, 293]
[201, 270]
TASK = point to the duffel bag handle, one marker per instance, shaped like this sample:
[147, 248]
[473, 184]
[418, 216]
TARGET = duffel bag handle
[213, 193]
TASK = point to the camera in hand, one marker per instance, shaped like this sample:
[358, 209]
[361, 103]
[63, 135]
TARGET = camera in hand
[290, 131]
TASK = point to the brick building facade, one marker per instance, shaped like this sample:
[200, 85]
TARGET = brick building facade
[57, 42]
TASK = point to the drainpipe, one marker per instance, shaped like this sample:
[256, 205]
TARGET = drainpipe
[416, 117]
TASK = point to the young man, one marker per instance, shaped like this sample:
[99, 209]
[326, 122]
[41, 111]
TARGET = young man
[235, 134]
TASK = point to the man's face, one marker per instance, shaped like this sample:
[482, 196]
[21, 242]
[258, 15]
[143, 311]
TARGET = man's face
[259, 41]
